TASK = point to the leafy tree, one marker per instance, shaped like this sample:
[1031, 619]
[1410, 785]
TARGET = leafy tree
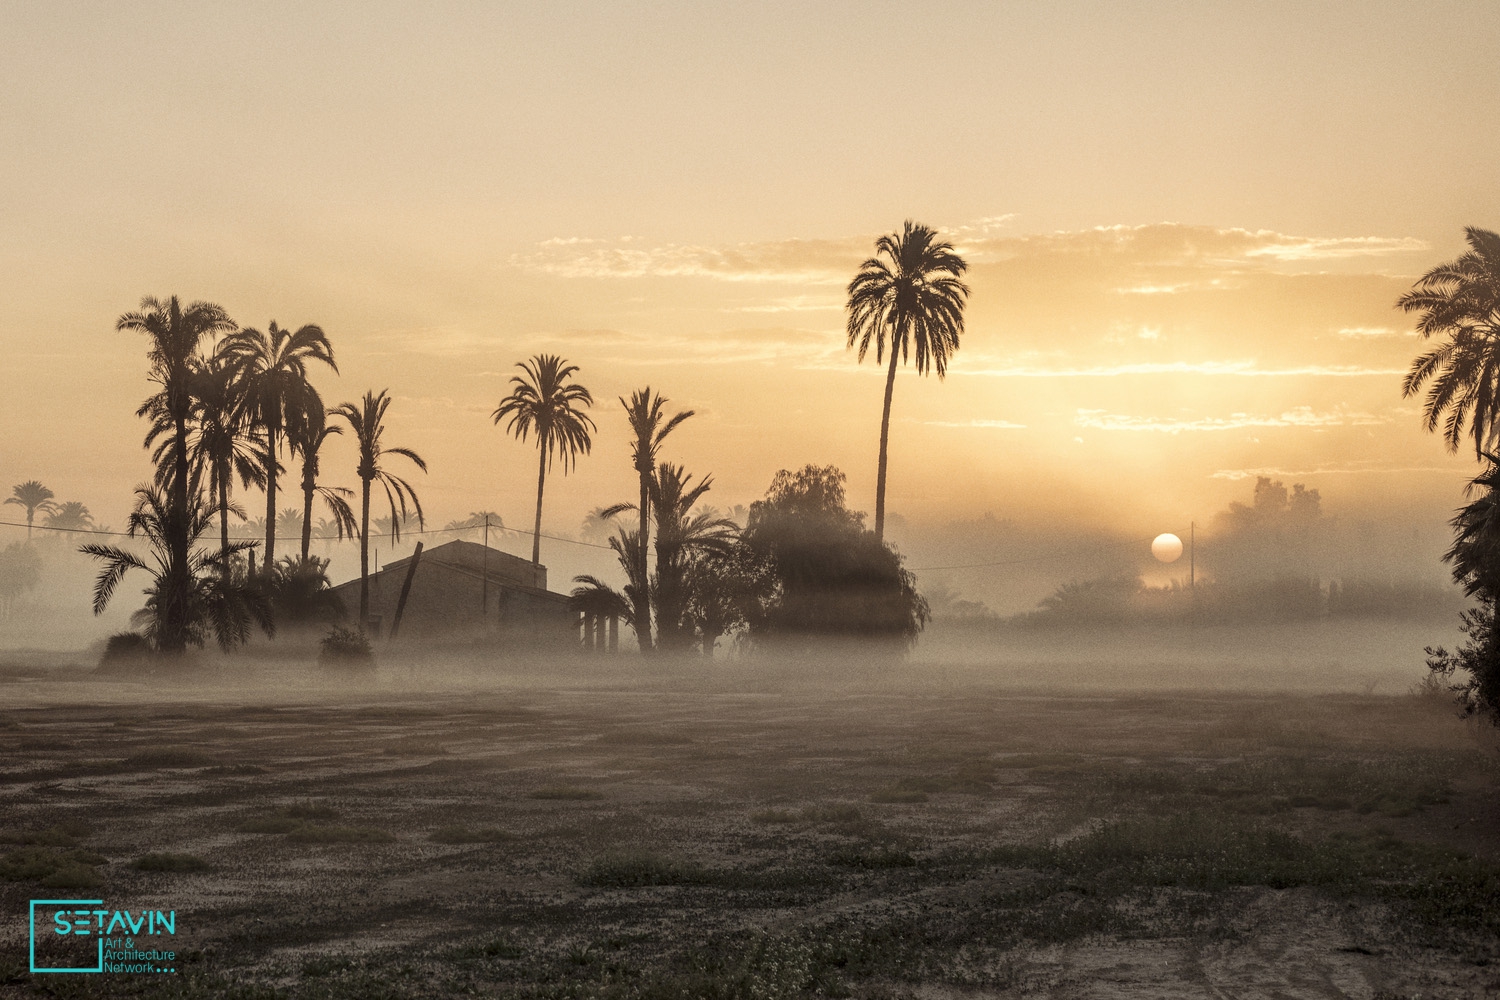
[544, 400]
[835, 578]
[730, 590]
[34, 497]
[649, 426]
[367, 421]
[175, 334]
[301, 592]
[273, 366]
[1475, 557]
[1461, 301]
[220, 602]
[909, 300]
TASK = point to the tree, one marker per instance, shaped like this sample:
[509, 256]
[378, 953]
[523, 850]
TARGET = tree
[545, 401]
[367, 421]
[910, 302]
[175, 334]
[836, 579]
[220, 442]
[1475, 557]
[34, 497]
[1460, 300]
[20, 571]
[634, 603]
[70, 516]
[219, 602]
[274, 367]
[680, 536]
[306, 438]
[649, 427]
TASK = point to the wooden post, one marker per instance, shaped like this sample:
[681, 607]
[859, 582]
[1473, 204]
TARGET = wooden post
[411, 571]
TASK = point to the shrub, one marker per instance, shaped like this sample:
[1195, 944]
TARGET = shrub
[346, 647]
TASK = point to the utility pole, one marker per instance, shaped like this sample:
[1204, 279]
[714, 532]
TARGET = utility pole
[1192, 554]
[484, 587]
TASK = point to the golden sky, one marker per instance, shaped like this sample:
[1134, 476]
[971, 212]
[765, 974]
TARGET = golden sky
[1187, 225]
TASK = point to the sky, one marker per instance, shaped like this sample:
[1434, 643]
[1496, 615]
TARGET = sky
[1186, 225]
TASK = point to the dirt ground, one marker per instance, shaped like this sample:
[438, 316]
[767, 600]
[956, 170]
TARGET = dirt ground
[596, 836]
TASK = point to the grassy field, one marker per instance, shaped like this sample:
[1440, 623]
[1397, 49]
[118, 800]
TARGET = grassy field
[656, 839]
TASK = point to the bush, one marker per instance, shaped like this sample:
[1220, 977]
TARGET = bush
[346, 647]
[126, 651]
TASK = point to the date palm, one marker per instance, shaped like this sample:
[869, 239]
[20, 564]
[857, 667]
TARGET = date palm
[544, 400]
[70, 516]
[367, 421]
[274, 368]
[34, 497]
[1460, 300]
[221, 445]
[175, 334]
[649, 426]
[306, 438]
[907, 300]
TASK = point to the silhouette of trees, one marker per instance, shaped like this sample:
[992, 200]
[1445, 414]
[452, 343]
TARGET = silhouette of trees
[273, 370]
[836, 579]
[301, 593]
[474, 525]
[20, 571]
[367, 421]
[219, 602]
[34, 497]
[174, 335]
[545, 401]
[907, 299]
[1475, 557]
[649, 426]
[70, 516]
[306, 437]
[1460, 300]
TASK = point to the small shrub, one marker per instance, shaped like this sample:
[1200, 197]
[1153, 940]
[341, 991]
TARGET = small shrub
[346, 648]
[636, 869]
[309, 834]
[465, 835]
[898, 796]
[125, 651]
[170, 863]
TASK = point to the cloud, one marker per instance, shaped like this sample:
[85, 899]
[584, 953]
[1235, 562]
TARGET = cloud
[794, 261]
[1350, 468]
[1365, 332]
[1300, 416]
[1004, 425]
[1247, 369]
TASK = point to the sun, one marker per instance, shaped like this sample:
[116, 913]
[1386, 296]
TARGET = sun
[1166, 548]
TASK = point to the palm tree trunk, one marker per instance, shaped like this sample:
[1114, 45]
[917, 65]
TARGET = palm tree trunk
[270, 497]
[541, 480]
[309, 484]
[885, 433]
[364, 558]
[647, 644]
[224, 522]
[174, 637]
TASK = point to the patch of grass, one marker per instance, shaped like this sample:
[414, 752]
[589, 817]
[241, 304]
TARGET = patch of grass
[57, 869]
[310, 834]
[871, 858]
[567, 793]
[310, 810]
[65, 834]
[234, 769]
[898, 796]
[166, 862]
[467, 835]
[773, 816]
[499, 947]
[841, 813]
[269, 824]
[635, 869]
[166, 757]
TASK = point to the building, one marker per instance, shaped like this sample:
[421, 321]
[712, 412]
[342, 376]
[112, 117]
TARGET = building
[462, 591]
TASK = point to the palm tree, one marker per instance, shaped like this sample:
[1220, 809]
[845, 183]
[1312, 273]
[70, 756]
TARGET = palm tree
[221, 443]
[544, 401]
[646, 413]
[634, 604]
[306, 438]
[70, 516]
[367, 421]
[1462, 300]
[217, 600]
[34, 497]
[175, 335]
[910, 302]
[274, 366]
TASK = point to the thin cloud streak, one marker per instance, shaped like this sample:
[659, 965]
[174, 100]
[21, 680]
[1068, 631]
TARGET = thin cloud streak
[1241, 368]
[1301, 416]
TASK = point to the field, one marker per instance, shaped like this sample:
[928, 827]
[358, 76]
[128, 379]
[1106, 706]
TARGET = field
[756, 837]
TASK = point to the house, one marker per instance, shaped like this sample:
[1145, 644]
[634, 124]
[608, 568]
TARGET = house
[464, 591]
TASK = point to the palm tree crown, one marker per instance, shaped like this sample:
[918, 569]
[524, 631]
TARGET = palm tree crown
[274, 367]
[34, 497]
[907, 299]
[367, 421]
[543, 400]
[649, 426]
[1462, 300]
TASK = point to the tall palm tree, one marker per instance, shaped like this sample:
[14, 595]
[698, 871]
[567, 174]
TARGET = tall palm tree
[545, 401]
[34, 497]
[367, 421]
[306, 438]
[175, 334]
[221, 444]
[1460, 299]
[274, 366]
[71, 516]
[649, 427]
[907, 299]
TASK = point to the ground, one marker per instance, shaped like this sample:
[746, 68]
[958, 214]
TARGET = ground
[606, 834]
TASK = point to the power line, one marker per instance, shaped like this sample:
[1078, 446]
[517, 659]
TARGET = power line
[1032, 559]
[77, 531]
